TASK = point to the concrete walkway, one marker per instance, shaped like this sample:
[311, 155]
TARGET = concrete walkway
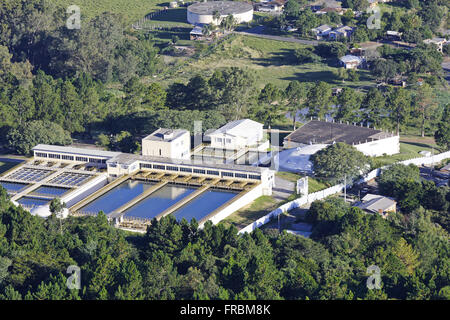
[283, 189]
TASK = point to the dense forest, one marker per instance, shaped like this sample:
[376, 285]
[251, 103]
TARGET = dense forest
[93, 85]
[176, 260]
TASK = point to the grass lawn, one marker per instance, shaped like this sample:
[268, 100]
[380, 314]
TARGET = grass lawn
[6, 165]
[269, 60]
[410, 146]
[313, 184]
[131, 10]
[316, 185]
[289, 176]
[253, 211]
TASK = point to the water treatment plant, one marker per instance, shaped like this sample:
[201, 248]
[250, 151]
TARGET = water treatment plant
[133, 189]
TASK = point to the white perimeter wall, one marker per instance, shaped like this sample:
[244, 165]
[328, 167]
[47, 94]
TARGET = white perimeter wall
[238, 204]
[194, 18]
[82, 192]
[335, 189]
[377, 148]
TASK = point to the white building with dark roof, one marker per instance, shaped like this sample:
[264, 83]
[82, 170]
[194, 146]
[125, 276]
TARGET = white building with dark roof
[237, 134]
[369, 141]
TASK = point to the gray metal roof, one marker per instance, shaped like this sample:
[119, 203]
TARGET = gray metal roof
[317, 132]
[74, 150]
[223, 7]
[375, 203]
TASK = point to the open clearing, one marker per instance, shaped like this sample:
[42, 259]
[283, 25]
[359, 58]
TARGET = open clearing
[269, 60]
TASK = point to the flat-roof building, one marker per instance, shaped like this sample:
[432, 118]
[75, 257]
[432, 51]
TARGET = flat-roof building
[203, 12]
[73, 154]
[168, 143]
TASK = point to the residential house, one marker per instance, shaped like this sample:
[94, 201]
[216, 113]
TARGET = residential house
[196, 33]
[351, 62]
[373, 203]
[341, 32]
[393, 35]
[321, 31]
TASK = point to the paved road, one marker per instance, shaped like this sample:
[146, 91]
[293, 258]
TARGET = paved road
[259, 32]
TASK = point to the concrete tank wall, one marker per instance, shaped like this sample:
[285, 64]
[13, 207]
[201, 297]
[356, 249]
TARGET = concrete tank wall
[194, 18]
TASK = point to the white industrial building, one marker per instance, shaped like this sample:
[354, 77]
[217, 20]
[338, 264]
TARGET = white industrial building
[237, 134]
[369, 141]
[203, 12]
[169, 143]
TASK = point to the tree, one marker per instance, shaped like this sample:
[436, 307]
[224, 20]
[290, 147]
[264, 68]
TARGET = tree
[399, 102]
[384, 69]
[30, 134]
[296, 96]
[348, 105]
[292, 8]
[390, 177]
[442, 134]
[319, 99]
[340, 160]
[269, 97]
[374, 107]
[306, 21]
[304, 55]
[426, 104]
[331, 50]
[57, 208]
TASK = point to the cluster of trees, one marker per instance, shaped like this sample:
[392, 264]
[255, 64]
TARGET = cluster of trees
[176, 260]
[404, 183]
[423, 59]
[34, 32]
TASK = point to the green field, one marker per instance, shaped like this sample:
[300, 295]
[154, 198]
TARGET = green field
[255, 210]
[409, 149]
[132, 10]
[269, 60]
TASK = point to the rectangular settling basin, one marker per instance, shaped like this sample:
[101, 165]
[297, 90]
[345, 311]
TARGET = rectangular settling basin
[159, 201]
[118, 196]
[13, 186]
[50, 191]
[203, 205]
[30, 201]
